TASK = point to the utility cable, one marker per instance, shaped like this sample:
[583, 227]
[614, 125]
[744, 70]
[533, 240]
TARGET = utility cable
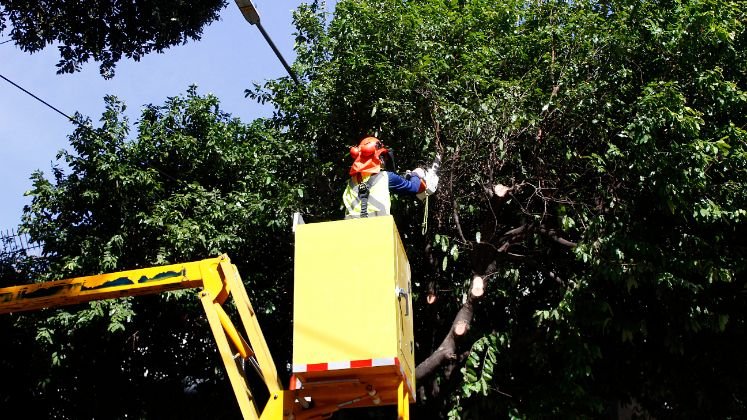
[80, 124]
[40, 100]
[5, 42]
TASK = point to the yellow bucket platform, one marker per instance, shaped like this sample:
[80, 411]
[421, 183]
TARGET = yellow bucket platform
[352, 322]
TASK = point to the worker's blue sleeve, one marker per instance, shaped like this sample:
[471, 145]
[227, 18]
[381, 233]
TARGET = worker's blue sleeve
[399, 185]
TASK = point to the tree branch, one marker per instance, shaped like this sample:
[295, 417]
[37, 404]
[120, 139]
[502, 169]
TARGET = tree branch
[446, 354]
[457, 223]
[446, 351]
[553, 234]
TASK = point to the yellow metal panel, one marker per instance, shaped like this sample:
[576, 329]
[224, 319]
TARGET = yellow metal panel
[103, 286]
[403, 406]
[238, 382]
[353, 301]
[404, 317]
[252, 328]
[345, 305]
[279, 406]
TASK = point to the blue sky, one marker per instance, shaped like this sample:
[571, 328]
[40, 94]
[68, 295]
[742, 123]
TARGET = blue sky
[230, 56]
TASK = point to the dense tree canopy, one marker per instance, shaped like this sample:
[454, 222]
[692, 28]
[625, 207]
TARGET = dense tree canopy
[193, 183]
[594, 163]
[593, 172]
[104, 31]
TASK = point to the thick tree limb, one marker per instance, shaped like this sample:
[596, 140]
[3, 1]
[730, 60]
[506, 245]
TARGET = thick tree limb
[446, 351]
[485, 255]
[446, 356]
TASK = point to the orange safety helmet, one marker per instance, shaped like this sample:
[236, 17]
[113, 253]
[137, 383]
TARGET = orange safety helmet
[367, 156]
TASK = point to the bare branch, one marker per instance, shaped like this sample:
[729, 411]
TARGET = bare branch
[552, 234]
[457, 223]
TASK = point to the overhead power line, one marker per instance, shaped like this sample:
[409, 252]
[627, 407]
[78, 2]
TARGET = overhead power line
[40, 100]
[79, 124]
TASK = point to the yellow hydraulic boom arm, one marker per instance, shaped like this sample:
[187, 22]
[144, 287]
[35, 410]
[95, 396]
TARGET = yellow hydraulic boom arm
[219, 280]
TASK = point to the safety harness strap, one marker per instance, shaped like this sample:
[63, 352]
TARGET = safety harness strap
[364, 194]
[364, 189]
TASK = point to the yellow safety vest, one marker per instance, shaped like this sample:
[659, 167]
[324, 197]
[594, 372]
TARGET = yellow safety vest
[378, 202]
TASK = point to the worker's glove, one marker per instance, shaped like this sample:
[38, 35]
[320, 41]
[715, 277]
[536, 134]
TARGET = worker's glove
[419, 172]
[431, 179]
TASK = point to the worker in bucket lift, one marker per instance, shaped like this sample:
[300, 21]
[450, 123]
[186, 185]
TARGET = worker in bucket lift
[367, 191]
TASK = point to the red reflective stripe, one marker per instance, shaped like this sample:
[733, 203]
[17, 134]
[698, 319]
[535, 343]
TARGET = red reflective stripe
[316, 367]
[360, 363]
[320, 367]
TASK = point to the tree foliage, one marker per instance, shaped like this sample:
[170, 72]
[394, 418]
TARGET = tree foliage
[104, 31]
[594, 158]
[192, 183]
[584, 254]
